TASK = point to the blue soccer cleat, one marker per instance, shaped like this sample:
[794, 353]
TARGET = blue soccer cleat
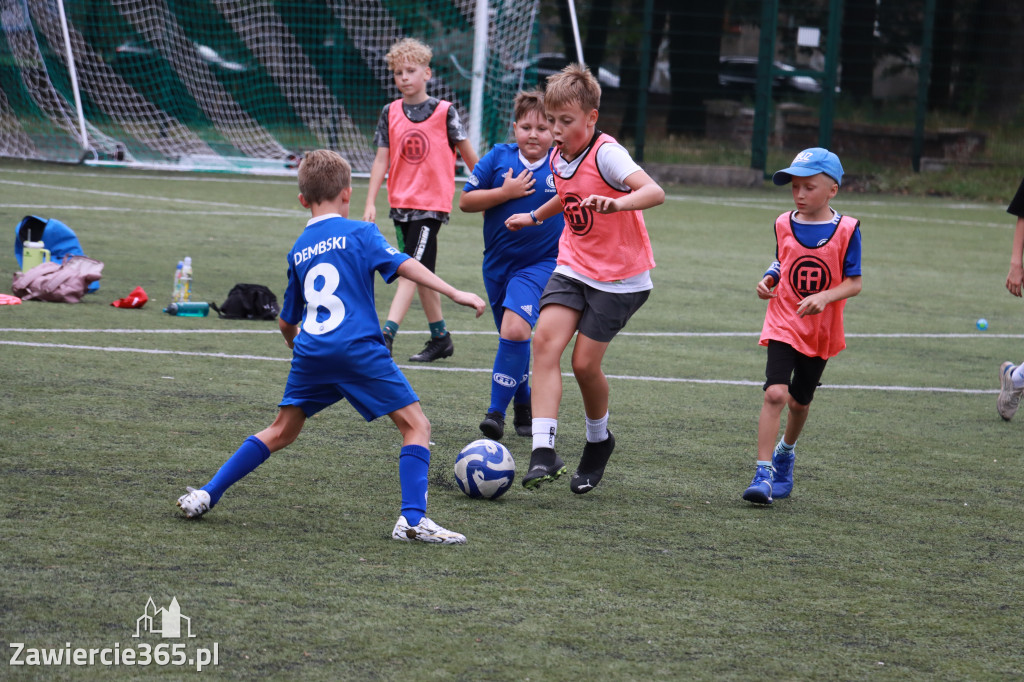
[760, 489]
[782, 461]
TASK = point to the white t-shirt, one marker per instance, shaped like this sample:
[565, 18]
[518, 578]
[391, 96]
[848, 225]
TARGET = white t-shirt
[615, 165]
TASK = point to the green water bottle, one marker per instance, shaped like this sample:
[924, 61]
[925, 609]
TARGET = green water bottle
[188, 309]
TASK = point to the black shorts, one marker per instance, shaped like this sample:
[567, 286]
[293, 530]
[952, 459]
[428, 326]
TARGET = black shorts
[602, 313]
[418, 238]
[801, 373]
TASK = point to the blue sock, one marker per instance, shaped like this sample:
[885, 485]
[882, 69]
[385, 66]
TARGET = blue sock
[510, 365]
[250, 455]
[413, 464]
[522, 396]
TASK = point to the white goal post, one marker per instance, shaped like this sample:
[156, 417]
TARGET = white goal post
[242, 85]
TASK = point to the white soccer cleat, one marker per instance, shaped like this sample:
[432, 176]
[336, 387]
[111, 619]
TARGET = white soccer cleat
[426, 531]
[1009, 396]
[194, 503]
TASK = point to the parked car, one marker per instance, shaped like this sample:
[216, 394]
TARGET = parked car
[737, 76]
[545, 64]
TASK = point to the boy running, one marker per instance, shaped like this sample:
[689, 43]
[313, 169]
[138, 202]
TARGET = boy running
[816, 268]
[416, 140]
[602, 274]
[515, 178]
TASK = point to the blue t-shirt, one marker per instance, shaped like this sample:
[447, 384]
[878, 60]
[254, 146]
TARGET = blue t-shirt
[814, 234]
[330, 295]
[506, 251]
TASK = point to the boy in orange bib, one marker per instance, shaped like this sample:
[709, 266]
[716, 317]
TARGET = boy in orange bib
[817, 268]
[602, 274]
[416, 138]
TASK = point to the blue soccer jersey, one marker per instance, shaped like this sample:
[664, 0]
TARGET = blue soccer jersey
[506, 251]
[330, 295]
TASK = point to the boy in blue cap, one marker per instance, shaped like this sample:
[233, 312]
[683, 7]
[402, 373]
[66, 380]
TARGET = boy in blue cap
[816, 268]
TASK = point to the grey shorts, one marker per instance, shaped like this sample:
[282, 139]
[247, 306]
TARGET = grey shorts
[602, 314]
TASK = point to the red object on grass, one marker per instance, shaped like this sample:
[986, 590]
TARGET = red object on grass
[136, 299]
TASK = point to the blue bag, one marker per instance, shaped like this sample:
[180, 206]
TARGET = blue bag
[60, 240]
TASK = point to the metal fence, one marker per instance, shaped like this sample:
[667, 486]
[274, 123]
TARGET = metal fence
[926, 83]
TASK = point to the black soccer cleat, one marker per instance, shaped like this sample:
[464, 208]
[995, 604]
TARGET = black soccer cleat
[523, 420]
[591, 467]
[493, 425]
[545, 465]
[435, 349]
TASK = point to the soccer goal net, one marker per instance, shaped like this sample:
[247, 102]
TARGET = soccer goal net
[238, 85]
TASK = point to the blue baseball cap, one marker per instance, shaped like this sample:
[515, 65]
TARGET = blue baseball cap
[811, 162]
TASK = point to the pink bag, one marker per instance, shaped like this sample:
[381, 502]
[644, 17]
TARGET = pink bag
[66, 282]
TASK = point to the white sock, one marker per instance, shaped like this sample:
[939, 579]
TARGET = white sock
[544, 431]
[786, 446]
[1017, 376]
[597, 429]
[766, 464]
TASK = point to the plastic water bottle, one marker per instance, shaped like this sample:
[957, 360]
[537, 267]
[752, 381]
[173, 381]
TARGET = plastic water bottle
[176, 295]
[186, 279]
[188, 309]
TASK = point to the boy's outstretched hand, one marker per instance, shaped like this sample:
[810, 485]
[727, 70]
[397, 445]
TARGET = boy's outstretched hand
[518, 221]
[764, 288]
[601, 204]
[1015, 280]
[813, 304]
[470, 300]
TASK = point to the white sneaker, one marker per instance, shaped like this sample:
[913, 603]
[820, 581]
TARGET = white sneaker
[194, 503]
[426, 531]
[1009, 396]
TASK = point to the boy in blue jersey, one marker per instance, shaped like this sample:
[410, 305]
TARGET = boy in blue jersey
[509, 179]
[330, 321]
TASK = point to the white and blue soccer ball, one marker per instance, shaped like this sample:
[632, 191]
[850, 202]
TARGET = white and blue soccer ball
[485, 469]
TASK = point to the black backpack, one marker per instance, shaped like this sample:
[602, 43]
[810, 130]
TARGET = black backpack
[249, 302]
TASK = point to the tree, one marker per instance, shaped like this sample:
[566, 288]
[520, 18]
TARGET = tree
[629, 70]
[857, 49]
[1000, 63]
[695, 37]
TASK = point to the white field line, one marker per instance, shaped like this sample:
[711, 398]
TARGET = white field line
[239, 212]
[476, 370]
[139, 197]
[783, 199]
[416, 332]
[760, 202]
[770, 205]
[171, 176]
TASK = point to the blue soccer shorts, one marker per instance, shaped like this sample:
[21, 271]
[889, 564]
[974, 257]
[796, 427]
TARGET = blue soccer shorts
[372, 398]
[520, 292]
